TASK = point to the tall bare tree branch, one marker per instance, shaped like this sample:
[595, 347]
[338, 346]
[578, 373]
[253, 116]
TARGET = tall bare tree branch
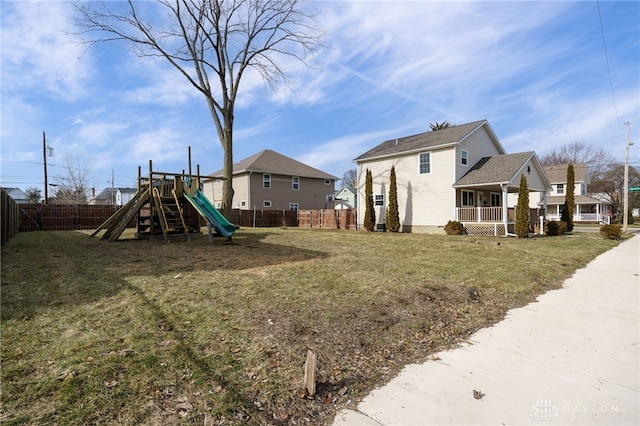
[204, 38]
[577, 152]
[72, 185]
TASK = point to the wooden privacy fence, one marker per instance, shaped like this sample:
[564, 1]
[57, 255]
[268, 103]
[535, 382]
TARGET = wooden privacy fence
[321, 219]
[63, 217]
[9, 216]
[327, 219]
[67, 217]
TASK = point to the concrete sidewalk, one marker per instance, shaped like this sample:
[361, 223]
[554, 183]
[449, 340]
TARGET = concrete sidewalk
[571, 358]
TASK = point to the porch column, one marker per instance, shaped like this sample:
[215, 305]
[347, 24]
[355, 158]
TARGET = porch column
[505, 210]
[544, 206]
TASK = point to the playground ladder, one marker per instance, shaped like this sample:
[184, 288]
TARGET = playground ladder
[169, 214]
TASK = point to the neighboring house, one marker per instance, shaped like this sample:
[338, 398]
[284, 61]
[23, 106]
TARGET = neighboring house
[346, 198]
[18, 195]
[456, 173]
[117, 196]
[592, 208]
[271, 181]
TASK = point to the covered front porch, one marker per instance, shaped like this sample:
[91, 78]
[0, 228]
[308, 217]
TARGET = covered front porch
[490, 221]
[586, 210]
[482, 194]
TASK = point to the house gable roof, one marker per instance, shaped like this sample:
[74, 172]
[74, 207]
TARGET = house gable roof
[269, 161]
[16, 193]
[558, 173]
[106, 193]
[428, 140]
[347, 188]
[499, 169]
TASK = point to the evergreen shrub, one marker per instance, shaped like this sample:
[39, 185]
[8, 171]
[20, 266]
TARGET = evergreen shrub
[611, 232]
[454, 228]
[553, 228]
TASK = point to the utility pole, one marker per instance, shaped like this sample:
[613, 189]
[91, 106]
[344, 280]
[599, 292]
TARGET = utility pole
[113, 194]
[625, 208]
[44, 154]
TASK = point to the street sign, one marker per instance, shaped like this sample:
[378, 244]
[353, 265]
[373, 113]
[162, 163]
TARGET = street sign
[634, 188]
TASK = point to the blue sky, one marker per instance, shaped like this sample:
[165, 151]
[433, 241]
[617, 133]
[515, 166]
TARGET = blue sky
[537, 71]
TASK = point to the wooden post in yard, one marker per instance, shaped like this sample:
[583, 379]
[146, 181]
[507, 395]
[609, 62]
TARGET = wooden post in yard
[310, 373]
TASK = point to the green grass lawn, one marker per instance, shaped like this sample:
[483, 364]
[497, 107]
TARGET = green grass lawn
[214, 333]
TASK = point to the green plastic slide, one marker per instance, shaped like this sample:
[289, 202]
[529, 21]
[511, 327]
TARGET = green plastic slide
[211, 214]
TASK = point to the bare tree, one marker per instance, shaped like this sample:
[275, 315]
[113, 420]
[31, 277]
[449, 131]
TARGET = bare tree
[212, 43]
[612, 188]
[350, 177]
[34, 195]
[72, 185]
[597, 159]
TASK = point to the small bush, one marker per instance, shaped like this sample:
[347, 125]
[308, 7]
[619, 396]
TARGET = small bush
[553, 228]
[454, 228]
[563, 227]
[611, 232]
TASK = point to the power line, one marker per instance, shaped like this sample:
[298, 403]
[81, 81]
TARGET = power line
[606, 57]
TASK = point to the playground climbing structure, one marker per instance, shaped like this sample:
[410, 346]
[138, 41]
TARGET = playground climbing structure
[166, 205]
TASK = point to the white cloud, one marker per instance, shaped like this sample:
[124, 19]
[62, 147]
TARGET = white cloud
[161, 83]
[336, 155]
[37, 54]
[100, 134]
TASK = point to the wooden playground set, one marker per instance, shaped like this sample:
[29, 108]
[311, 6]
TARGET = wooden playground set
[167, 205]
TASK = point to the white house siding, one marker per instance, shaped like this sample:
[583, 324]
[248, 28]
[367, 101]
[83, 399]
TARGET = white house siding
[478, 145]
[535, 183]
[426, 202]
[580, 189]
[345, 199]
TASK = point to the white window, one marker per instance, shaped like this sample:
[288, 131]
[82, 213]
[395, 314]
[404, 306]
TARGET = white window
[295, 183]
[243, 203]
[467, 198]
[266, 203]
[218, 204]
[464, 158]
[495, 199]
[293, 206]
[425, 163]
[560, 188]
[327, 181]
[266, 180]
[379, 200]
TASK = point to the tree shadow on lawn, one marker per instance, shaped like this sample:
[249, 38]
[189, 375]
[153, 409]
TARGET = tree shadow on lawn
[47, 274]
[45, 270]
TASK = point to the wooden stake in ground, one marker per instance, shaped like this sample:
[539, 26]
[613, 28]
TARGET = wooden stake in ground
[310, 373]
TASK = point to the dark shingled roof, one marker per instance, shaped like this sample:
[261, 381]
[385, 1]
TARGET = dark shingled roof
[432, 139]
[269, 161]
[496, 169]
[558, 174]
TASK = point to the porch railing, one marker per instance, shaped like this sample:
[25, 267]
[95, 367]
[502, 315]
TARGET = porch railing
[480, 214]
[584, 217]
